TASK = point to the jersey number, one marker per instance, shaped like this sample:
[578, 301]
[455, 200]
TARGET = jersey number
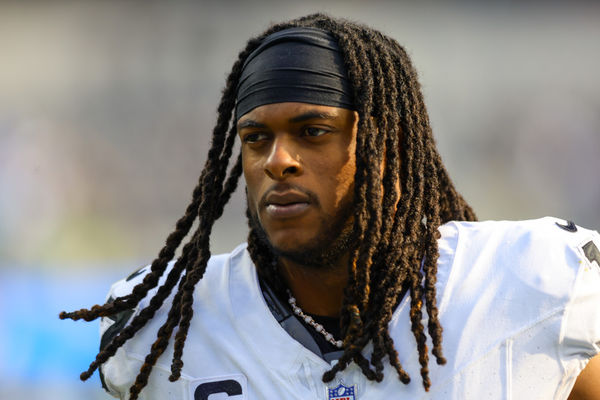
[229, 387]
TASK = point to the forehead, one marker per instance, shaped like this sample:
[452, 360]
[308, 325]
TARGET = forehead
[294, 112]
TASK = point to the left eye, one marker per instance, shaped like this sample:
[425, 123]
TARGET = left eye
[314, 131]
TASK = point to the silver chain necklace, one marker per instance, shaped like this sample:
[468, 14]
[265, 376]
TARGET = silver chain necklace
[309, 320]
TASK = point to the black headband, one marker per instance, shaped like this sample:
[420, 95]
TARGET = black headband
[295, 64]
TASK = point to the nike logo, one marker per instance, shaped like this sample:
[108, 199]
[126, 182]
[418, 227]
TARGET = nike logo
[570, 227]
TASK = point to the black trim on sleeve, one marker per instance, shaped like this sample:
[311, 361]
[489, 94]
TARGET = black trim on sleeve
[569, 227]
[135, 273]
[120, 320]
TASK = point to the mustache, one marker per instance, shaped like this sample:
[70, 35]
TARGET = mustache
[288, 187]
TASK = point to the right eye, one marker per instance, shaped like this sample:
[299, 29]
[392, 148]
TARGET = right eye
[254, 137]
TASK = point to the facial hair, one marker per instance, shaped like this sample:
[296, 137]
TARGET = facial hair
[335, 238]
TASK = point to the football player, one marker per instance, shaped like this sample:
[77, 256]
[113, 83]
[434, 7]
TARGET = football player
[360, 250]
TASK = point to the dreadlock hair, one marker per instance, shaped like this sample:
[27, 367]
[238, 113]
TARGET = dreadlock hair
[396, 231]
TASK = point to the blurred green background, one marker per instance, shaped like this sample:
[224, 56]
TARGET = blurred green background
[106, 109]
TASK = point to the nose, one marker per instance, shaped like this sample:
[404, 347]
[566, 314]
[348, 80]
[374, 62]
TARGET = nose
[282, 161]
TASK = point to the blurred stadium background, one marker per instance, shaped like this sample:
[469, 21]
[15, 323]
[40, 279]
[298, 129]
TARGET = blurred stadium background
[106, 108]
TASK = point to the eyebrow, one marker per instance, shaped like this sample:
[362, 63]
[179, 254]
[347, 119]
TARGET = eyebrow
[250, 123]
[312, 115]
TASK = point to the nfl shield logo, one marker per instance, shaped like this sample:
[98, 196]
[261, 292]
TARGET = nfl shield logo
[341, 392]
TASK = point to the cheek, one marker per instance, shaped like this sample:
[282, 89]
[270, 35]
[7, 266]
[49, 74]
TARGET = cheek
[251, 183]
[348, 171]
[346, 182]
[342, 179]
[250, 197]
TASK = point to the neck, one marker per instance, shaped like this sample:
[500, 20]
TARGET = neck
[317, 291]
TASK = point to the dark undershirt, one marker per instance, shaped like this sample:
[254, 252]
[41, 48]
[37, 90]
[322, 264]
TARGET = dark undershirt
[331, 324]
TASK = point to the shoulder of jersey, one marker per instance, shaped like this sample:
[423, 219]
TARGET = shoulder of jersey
[125, 286]
[548, 225]
[111, 326]
[544, 238]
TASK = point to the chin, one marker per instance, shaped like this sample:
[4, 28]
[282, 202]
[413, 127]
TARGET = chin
[317, 247]
[283, 242]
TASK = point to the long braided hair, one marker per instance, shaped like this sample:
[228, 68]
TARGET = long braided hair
[395, 231]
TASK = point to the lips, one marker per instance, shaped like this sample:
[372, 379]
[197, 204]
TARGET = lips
[286, 204]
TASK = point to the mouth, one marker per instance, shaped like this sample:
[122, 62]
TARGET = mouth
[286, 210]
[287, 204]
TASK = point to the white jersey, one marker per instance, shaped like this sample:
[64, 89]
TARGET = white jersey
[519, 303]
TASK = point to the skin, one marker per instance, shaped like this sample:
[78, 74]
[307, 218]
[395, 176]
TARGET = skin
[587, 386]
[309, 151]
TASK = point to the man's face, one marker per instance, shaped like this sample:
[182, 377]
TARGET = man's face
[299, 165]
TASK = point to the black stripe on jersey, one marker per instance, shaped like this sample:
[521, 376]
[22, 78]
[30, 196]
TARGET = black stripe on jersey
[135, 273]
[591, 252]
[120, 320]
